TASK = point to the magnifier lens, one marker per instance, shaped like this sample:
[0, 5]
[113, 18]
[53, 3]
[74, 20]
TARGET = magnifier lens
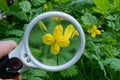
[54, 41]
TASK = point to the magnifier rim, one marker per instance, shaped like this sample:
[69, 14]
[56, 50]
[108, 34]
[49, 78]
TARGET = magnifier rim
[70, 19]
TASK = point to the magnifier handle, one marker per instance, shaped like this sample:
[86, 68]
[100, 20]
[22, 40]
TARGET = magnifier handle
[6, 71]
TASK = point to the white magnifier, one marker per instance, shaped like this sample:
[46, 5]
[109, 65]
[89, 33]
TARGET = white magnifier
[53, 41]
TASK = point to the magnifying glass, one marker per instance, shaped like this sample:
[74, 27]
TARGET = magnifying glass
[53, 41]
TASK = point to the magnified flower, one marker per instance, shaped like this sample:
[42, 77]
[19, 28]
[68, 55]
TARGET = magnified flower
[58, 39]
[94, 31]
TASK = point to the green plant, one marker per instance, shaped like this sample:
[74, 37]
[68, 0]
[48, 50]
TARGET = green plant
[101, 57]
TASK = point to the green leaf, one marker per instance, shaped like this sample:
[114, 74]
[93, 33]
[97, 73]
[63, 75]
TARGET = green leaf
[111, 17]
[95, 57]
[34, 74]
[89, 19]
[49, 61]
[116, 4]
[3, 5]
[102, 67]
[17, 40]
[35, 78]
[25, 6]
[20, 15]
[107, 34]
[35, 52]
[70, 72]
[38, 72]
[14, 7]
[88, 54]
[111, 24]
[102, 6]
[108, 50]
[37, 2]
[114, 63]
[18, 33]
[61, 0]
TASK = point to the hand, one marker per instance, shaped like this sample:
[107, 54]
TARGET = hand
[5, 48]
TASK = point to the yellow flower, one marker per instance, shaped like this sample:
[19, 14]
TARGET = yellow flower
[58, 39]
[94, 31]
[46, 6]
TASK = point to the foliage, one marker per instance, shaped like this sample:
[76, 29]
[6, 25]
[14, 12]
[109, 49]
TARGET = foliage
[101, 54]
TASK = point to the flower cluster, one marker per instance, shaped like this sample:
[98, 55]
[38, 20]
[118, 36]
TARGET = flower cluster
[94, 31]
[58, 39]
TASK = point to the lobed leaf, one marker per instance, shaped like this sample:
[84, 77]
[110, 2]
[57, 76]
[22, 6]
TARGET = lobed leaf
[114, 63]
[102, 6]
[37, 2]
[25, 6]
[3, 5]
[72, 71]
[89, 19]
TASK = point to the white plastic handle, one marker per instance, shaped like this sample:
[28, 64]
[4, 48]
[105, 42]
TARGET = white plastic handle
[23, 53]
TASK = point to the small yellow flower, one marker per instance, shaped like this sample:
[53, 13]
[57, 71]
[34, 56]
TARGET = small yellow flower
[58, 39]
[46, 6]
[94, 31]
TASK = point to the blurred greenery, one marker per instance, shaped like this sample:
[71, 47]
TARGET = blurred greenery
[100, 60]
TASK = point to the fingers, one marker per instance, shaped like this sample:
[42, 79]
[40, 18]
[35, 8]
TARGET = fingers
[6, 47]
[18, 78]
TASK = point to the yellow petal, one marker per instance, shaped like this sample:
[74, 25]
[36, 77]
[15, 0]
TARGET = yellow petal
[48, 39]
[69, 31]
[93, 34]
[55, 49]
[94, 27]
[90, 30]
[58, 31]
[63, 42]
[98, 32]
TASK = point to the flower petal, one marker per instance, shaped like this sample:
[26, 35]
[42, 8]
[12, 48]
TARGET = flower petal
[48, 39]
[69, 31]
[90, 30]
[98, 32]
[63, 42]
[93, 34]
[58, 31]
[55, 49]
[94, 27]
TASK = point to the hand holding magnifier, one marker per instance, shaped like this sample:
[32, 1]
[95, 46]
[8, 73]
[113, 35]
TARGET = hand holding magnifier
[49, 43]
